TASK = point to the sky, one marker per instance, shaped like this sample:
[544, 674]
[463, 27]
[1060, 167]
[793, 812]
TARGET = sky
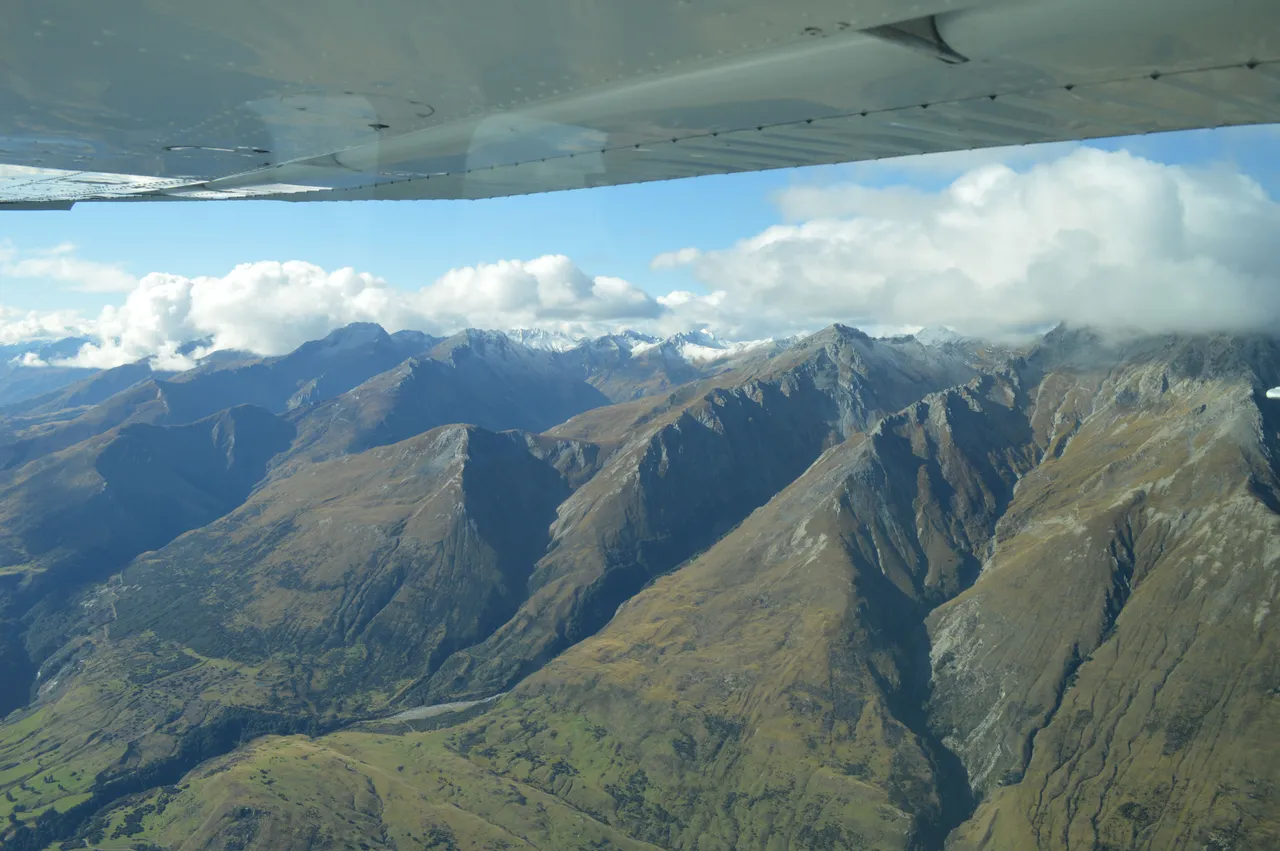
[1162, 232]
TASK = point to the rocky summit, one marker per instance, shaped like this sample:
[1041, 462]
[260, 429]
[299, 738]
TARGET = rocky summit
[513, 590]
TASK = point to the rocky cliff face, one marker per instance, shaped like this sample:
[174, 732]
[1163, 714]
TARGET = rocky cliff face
[772, 689]
[1109, 679]
[687, 472]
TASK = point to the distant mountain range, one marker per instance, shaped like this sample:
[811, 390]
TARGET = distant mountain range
[511, 590]
[25, 369]
[38, 367]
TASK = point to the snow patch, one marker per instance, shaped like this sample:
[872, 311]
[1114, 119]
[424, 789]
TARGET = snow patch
[700, 346]
[547, 341]
[937, 335]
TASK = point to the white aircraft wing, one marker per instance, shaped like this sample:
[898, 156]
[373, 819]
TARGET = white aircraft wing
[401, 99]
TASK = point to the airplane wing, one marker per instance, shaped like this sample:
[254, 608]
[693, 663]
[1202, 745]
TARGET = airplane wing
[402, 99]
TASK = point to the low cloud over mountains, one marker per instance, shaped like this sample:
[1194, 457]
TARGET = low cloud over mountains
[1100, 238]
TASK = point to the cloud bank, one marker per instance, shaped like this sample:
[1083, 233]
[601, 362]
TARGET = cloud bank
[271, 308]
[1091, 237]
[1105, 239]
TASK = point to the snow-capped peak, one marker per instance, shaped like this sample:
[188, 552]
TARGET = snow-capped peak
[550, 341]
[697, 352]
[700, 345]
[937, 335]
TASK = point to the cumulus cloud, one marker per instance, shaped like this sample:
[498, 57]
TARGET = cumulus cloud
[270, 308]
[1105, 239]
[548, 291]
[1090, 237]
[18, 325]
[931, 169]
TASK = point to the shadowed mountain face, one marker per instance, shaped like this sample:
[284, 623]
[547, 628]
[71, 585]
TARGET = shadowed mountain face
[685, 473]
[476, 377]
[91, 389]
[854, 594]
[365, 570]
[138, 487]
[311, 373]
[94, 477]
[479, 377]
[78, 515]
[134, 394]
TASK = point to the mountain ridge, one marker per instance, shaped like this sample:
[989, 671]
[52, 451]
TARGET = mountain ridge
[856, 592]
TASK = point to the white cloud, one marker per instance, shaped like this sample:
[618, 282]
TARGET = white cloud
[548, 292]
[60, 264]
[672, 259]
[19, 325]
[944, 166]
[1106, 239]
[1097, 238]
[270, 308]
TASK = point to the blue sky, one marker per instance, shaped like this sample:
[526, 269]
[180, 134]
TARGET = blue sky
[610, 231]
[1160, 233]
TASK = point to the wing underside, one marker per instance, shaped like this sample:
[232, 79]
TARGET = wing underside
[159, 100]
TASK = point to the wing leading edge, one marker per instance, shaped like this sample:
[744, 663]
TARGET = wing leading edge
[256, 99]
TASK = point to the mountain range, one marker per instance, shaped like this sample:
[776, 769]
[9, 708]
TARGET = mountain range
[509, 590]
